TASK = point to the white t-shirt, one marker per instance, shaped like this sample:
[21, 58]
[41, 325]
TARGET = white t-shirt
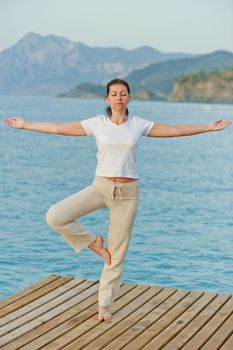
[116, 144]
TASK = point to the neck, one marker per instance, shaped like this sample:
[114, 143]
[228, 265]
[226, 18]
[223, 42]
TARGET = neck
[118, 116]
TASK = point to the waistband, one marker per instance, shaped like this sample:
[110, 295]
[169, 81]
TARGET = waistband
[116, 190]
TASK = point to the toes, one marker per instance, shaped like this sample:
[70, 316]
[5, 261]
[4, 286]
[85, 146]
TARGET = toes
[104, 316]
[99, 239]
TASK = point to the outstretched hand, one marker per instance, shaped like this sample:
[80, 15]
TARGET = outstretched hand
[17, 123]
[217, 125]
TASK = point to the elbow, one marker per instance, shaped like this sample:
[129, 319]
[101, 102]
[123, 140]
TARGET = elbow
[179, 131]
[174, 131]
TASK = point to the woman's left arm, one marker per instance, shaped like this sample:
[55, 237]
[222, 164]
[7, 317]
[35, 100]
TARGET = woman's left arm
[166, 130]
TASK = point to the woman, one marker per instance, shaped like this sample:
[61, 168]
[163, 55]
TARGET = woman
[115, 185]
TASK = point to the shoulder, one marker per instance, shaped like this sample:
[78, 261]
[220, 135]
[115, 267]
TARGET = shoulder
[96, 118]
[137, 120]
[141, 124]
[91, 124]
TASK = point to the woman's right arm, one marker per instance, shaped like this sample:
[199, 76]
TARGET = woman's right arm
[69, 129]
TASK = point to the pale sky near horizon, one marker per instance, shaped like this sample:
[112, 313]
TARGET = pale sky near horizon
[191, 26]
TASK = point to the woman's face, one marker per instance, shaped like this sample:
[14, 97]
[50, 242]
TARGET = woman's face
[118, 97]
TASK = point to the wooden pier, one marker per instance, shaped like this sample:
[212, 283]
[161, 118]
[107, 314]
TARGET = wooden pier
[60, 313]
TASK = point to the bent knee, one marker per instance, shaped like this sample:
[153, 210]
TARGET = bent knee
[53, 218]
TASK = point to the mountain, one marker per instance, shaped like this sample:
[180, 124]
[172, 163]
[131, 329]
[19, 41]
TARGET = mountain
[156, 82]
[86, 90]
[50, 65]
[212, 87]
[160, 78]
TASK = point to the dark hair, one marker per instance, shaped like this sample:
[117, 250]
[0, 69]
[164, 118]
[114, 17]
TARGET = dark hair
[116, 82]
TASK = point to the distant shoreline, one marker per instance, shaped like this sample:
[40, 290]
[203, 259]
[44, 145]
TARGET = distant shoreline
[197, 87]
[43, 97]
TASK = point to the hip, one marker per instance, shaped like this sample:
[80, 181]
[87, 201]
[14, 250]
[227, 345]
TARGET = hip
[116, 190]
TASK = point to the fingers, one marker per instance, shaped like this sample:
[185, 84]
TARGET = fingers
[14, 122]
[10, 122]
[226, 122]
[223, 124]
[220, 122]
[7, 121]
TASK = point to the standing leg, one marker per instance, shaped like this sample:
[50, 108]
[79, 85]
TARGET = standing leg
[122, 214]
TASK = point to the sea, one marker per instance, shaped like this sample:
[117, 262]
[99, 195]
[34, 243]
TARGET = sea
[183, 232]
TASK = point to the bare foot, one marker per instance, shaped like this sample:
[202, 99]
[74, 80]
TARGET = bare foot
[104, 314]
[99, 249]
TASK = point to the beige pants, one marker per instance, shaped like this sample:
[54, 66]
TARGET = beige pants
[121, 199]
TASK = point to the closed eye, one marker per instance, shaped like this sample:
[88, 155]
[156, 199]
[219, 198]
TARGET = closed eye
[122, 94]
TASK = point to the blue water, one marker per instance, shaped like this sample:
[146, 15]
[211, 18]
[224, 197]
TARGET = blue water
[183, 234]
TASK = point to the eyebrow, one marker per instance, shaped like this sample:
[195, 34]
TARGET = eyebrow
[119, 91]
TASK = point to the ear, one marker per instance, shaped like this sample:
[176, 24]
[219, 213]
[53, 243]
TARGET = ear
[106, 99]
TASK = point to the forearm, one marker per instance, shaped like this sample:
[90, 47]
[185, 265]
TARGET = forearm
[190, 129]
[43, 127]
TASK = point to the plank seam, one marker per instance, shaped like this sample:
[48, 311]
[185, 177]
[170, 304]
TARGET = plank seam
[28, 292]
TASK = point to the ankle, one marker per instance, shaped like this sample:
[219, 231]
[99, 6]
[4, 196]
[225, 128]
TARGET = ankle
[103, 307]
[92, 245]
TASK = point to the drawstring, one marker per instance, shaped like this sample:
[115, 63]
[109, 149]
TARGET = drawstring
[120, 192]
[113, 197]
[114, 191]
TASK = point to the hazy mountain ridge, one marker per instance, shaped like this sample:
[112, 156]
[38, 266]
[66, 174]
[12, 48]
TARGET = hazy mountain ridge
[86, 90]
[147, 85]
[50, 65]
[161, 77]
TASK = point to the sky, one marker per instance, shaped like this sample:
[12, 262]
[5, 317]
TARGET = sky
[190, 26]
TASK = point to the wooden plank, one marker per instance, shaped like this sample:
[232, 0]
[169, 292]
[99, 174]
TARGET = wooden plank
[129, 309]
[220, 337]
[91, 323]
[179, 323]
[160, 322]
[228, 344]
[17, 317]
[28, 290]
[81, 313]
[48, 311]
[211, 327]
[67, 311]
[105, 333]
[199, 321]
[33, 296]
